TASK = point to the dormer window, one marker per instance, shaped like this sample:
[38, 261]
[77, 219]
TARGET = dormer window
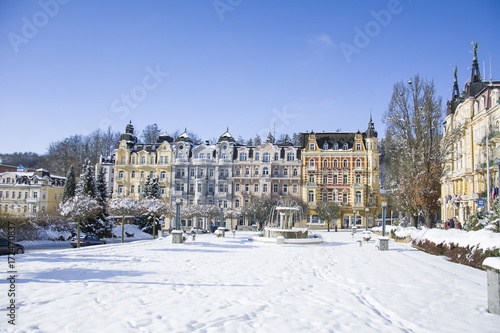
[335, 146]
[346, 146]
[312, 146]
[325, 146]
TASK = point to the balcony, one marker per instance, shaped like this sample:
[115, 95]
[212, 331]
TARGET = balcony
[311, 168]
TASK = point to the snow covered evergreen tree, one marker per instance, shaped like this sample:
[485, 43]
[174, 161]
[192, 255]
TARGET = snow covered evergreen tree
[152, 188]
[87, 185]
[101, 188]
[70, 185]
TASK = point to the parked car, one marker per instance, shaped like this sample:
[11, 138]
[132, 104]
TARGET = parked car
[198, 230]
[5, 248]
[87, 240]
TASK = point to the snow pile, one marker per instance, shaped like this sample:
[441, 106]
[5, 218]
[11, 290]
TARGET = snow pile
[482, 239]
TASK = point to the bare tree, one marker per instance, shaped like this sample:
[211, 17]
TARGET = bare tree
[414, 148]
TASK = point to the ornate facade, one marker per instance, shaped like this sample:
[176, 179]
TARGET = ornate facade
[342, 167]
[470, 171]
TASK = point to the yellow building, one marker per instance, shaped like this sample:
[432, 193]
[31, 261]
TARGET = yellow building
[24, 193]
[470, 171]
[134, 162]
[342, 167]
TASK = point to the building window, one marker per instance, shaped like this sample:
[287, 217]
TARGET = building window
[335, 179]
[335, 146]
[310, 196]
[163, 176]
[311, 179]
[290, 156]
[295, 172]
[237, 203]
[346, 146]
[275, 188]
[265, 171]
[276, 172]
[198, 187]
[344, 198]
[132, 174]
[325, 179]
[247, 188]
[358, 179]
[285, 188]
[276, 156]
[312, 146]
[295, 189]
[237, 187]
[325, 163]
[121, 175]
[132, 189]
[247, 171]
[257, 156]
[325, 146]
[210, 188]
[346, 164]
[344, 180]
[358, 163]
[311, 162]
[152, 160]
[285, 172]
[243, 156]
[266, 157]
[256, 188]
[256, 171]
[120, 189]
[358, 146]
[133, 159]
[264, 188]
[358, 197]
[324, 196]
[143, 160]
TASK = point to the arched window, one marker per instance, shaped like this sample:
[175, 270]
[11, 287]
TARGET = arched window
[335, 164]
[143, 160]
[265, 171]
[335, 146]
[358, 197]
[132, 174]
[311, 162]
[121, 174]
[358, 163]
[310, 196]
[346, 163]
[325, 146]
[358, 179]
[346, 146]
[325, 163]
[266, 157]
[163, 176]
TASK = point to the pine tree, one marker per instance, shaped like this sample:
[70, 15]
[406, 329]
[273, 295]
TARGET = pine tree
[70, 185]
[152, 188]
[86, 185]
[101, 188]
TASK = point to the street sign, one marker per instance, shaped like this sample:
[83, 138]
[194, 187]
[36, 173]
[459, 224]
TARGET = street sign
[480, 202]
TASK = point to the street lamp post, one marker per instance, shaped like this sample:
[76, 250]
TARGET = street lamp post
[221, 224]
[366, 218]
[178, 214]
[384, 207]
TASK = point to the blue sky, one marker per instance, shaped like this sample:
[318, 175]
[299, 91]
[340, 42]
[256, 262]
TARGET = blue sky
[71, 67]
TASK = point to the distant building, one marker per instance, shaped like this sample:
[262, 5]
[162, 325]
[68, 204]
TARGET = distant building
[28, 193]
[470, 168]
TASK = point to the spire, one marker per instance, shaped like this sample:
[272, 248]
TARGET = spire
[371, 132]
[475, 85]
[475, 75]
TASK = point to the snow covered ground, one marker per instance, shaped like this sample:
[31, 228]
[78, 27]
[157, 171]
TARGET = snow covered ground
[235, 285]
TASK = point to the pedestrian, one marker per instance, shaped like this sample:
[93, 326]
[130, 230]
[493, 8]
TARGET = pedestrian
[452, 222]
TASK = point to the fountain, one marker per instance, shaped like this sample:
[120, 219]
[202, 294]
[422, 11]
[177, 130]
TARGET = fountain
[283, 226]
